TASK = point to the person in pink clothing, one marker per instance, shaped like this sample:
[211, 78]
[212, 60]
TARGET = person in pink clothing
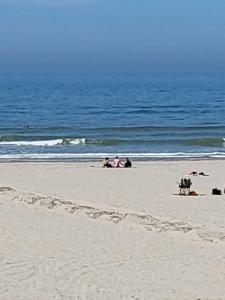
[117, 162]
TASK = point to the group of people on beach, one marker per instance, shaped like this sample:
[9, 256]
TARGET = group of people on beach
[116, 163]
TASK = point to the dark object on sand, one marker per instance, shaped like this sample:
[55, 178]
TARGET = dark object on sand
[127, 163]
[106, 163]
[194, 173]
[216, 191]
[203, 174]
[192, 193]
[185, 185]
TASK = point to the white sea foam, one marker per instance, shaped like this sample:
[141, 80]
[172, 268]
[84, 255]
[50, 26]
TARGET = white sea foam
[122, 155]
[48, 143]
[77, 141]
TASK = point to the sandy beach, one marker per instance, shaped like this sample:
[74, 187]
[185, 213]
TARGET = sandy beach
[72, 231]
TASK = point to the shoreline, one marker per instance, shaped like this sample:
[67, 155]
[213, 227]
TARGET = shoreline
[93, 160]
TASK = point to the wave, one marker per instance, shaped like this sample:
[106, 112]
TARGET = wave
[205, 141]
[210, 142]
[156, 128]
[14, 140]
[49, 143]
[149, 128]
[132, 155]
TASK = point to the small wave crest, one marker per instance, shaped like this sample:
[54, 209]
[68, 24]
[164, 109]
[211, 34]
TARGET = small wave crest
[52, 141]
[48, 143]
[136, 156]
[205, 142]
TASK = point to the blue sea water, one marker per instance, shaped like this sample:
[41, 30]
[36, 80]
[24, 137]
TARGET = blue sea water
[142, 117]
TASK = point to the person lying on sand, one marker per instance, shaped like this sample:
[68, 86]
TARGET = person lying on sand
[194, 173]
[203, 174]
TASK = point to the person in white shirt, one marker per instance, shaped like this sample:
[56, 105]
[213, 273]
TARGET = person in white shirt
[117, 163]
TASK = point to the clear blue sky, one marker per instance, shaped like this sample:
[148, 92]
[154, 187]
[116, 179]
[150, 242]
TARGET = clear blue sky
[112, 36]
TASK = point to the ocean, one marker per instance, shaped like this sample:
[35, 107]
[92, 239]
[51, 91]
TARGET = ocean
[141, 117]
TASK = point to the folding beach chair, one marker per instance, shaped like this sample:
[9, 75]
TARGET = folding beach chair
[185, 185]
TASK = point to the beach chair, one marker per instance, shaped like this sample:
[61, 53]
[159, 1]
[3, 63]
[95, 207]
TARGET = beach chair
[185, 185]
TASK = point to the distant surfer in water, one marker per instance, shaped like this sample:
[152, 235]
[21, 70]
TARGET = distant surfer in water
[29, 127]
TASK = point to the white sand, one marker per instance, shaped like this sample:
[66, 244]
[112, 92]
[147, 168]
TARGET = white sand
[68, 231]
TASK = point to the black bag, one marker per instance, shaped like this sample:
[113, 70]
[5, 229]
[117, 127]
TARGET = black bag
[216, 192]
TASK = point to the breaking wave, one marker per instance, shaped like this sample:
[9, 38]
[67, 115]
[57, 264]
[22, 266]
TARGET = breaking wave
[89, 156]
[17, 141]
[49, 143]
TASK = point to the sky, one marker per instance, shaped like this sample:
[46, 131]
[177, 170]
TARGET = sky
[112, 36]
